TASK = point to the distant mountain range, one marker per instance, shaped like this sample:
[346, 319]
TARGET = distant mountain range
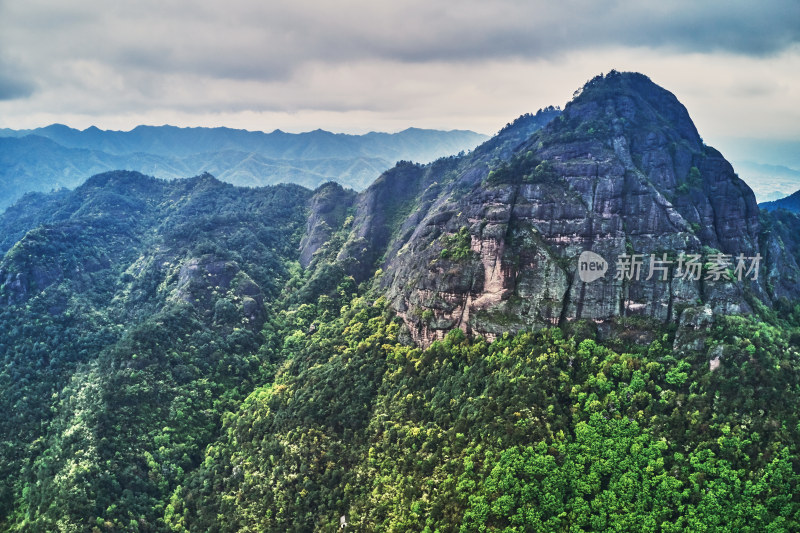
[58, 156]
[782, 152]
[790, 203]
[769, 182]
[771, 167]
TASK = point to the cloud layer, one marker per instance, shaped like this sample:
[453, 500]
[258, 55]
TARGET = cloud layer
[355, 65]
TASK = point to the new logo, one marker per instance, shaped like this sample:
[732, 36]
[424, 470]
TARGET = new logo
[591, 266]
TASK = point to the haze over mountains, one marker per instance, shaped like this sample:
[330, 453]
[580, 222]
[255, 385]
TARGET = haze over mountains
[769, 181]
[58, 156]
[790, 203]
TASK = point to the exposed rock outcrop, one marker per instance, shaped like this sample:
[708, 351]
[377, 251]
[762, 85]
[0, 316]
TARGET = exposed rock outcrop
[327, 211]
[490, 243]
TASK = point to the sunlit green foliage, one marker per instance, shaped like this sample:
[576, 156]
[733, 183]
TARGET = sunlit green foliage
[530, 433]
[457, 246]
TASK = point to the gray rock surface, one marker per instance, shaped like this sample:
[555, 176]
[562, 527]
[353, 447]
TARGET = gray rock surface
[621, 171]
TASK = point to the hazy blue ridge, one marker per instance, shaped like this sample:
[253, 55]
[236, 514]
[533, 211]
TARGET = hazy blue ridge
[58, 156]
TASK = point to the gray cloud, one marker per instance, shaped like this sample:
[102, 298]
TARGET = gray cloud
[11, 88]
[14, 82]
[268, 40]
[419, 59]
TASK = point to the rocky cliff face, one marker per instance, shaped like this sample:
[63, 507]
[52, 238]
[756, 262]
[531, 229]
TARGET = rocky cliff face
[490, 242]
[780, 246]
[327, 211]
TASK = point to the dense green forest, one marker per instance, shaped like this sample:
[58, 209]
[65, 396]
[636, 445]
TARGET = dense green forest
[133, 322]
[547, 431]
[192, 356]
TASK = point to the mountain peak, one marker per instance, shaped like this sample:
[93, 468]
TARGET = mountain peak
[56, 128]
[619, 81]
[630, 104]
[495, 247]
[619, 84]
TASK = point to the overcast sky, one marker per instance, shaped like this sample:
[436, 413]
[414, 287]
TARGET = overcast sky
[356, 66]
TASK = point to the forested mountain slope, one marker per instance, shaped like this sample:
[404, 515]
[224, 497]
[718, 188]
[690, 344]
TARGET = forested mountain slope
[132, 315]
[420, 356]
